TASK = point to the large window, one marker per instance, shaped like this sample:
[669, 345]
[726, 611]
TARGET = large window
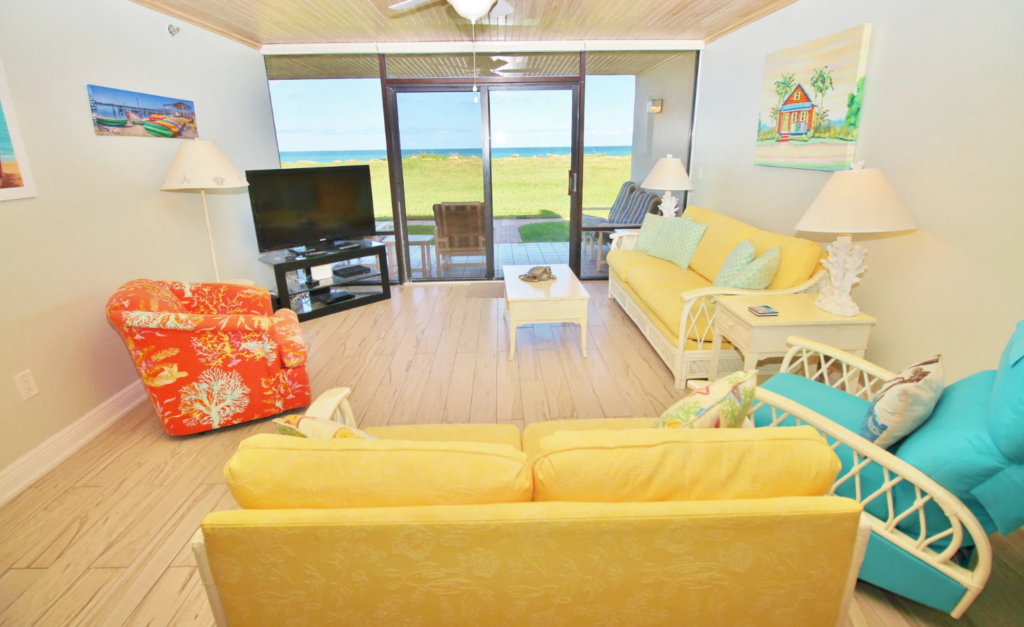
[324, 122]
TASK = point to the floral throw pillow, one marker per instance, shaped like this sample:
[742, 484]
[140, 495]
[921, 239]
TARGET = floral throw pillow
[317, 428]
[903, 404]
[723, 404]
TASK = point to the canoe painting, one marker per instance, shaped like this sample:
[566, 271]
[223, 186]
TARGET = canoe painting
[135, 114]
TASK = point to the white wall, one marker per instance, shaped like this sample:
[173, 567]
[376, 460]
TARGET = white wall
[955, 286]
[100, 219]
[658, 134]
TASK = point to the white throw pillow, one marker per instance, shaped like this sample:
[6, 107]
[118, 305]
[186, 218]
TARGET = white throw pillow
[903, 404]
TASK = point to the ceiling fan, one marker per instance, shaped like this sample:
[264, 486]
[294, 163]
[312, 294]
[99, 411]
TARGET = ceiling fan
[472, 10]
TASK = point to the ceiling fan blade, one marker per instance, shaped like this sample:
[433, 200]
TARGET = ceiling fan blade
[501, 9]
[408, 4]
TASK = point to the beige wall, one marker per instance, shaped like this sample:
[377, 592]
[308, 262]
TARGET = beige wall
[658, 134]
[953, 287]
[100, 219]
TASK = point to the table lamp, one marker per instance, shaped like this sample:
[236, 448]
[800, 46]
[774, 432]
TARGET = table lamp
[201, 165]
[670, 175]
[853, 201]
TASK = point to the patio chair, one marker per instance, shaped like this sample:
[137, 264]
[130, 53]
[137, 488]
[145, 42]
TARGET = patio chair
[628, 210]
[458, 231]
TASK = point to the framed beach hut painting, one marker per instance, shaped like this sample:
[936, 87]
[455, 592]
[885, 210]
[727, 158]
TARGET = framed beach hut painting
[811, 94]
[116, 112]
[15, 175]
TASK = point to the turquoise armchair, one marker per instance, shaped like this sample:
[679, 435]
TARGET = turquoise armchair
[936, 496]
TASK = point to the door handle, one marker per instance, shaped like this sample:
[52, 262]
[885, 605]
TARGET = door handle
[572, 182]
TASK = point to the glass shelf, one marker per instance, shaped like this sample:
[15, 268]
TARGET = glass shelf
[296, 286]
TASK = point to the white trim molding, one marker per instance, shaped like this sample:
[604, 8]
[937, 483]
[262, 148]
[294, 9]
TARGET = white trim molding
[452, 47]
[31, 466]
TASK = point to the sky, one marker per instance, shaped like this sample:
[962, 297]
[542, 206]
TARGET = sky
[346, 114]
[132, 98]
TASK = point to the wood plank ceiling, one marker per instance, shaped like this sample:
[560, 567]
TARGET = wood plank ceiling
[260, 22]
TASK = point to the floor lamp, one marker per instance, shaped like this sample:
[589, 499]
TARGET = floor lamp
[201, 165]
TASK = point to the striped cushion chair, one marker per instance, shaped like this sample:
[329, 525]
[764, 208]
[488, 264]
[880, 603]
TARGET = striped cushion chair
[631, 213]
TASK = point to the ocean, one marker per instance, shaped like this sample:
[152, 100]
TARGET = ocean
[6, 147]
[330, 156]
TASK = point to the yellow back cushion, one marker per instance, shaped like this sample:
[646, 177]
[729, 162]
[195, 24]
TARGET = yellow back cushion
[282, 472]
[640, 465]
[799, 257]
[721, 236]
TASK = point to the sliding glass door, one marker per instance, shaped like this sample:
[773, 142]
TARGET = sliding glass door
[441, 178]
[532, 173]
[486, 178]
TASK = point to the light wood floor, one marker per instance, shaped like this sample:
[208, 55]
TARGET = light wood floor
[103, 538]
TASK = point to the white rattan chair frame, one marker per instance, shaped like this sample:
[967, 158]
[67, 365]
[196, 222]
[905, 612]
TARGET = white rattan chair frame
[854, 375]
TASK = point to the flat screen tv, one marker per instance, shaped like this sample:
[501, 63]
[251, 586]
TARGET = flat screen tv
[311, 207]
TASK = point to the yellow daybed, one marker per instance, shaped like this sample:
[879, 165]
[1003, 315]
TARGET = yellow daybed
[456, 525]
[668, 303]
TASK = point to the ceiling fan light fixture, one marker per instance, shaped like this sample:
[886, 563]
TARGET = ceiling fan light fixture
[472, 10]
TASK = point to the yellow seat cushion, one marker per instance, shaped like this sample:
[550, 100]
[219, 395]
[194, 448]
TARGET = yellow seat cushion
[721, 236]
[670, 333]
[798, 258]
[282, 472]
[486, 434]
[537, 431]
[621, 261]
[683, 465]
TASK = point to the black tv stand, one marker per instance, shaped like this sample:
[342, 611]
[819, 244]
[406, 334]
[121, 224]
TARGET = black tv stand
[313, 299]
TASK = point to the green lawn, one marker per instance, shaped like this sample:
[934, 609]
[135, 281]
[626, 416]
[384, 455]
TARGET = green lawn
[545, 232]
[523, 187]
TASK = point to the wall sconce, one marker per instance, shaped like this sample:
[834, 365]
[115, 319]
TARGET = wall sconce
[654, 106]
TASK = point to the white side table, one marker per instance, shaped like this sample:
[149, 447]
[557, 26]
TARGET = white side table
[758, 338]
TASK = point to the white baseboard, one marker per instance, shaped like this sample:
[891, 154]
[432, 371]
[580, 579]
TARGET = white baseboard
[58, 447]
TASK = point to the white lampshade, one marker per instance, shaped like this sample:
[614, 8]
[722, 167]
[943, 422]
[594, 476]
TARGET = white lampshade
[857, 201]
[668, 174]
[201, 165]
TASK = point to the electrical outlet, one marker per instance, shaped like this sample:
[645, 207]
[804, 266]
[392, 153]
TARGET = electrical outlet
[26, 384]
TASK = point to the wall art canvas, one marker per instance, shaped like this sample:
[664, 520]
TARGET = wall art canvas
[134, 114]
[809, 111]
[15, 175]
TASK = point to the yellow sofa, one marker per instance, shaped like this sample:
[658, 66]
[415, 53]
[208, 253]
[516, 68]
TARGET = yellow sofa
[750, 540]
[673, 307]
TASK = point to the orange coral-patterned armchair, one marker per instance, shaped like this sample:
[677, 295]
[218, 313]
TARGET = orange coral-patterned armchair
[211, 354]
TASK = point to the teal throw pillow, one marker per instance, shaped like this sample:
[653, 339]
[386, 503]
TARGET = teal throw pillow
[757, 274]
[735, 263]
[678, 240]
[650, 232]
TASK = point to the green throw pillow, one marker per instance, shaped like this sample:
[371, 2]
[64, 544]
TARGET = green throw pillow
[678, 240]
[738, 259]
[756, 275]
[650, 230]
